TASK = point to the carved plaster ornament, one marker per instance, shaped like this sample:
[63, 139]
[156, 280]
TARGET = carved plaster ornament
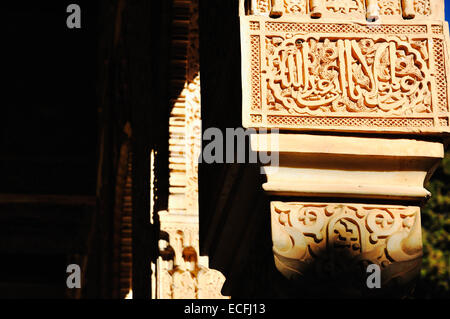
[366, 66]
[367, 234]
[389, 7]
[344, 6]
[372, 10]
[316, 8]
[277, 8]
[348, 76]
[408, 9]
[422, 7]
[308, 75]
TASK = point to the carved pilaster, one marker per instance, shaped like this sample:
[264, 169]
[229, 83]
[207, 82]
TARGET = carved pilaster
[181, 273]
[341, 201]
[331, 241]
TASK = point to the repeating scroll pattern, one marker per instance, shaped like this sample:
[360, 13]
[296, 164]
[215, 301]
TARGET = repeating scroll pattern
[390, 77]
[303, 232]
[263, 6]
[369, 75]
[345, 6]
[295, 6]
[389, 7]
[422, 7]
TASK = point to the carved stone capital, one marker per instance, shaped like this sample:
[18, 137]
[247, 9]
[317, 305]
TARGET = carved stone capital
[337, 241]
[357, 87]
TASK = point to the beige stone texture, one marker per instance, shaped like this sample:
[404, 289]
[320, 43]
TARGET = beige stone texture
[310, 238]
[343, 166]
[343, 71]
[357, 88]
[305, 235]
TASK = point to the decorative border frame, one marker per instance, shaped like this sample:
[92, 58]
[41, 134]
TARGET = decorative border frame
[254, 29]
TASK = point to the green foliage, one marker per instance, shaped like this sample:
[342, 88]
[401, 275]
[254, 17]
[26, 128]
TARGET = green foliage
[435, 276]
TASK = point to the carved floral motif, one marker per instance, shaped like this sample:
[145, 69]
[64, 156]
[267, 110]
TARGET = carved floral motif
[422, 7]
[369, 234]
[345, 6]
[383, 7]
[389, 7]
[348, 76]
[263, 6]
[295, 6]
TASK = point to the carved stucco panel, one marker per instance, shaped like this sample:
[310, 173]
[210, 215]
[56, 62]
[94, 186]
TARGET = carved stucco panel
[305, 234]
[347, 8]
[389, 7]
[369, 75]
[346, 76]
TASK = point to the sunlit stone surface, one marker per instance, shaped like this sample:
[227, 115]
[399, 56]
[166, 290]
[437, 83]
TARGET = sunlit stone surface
[361, 74]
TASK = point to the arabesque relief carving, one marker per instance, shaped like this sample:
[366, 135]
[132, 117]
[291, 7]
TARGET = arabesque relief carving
[295, 6]
[304, 234]
[346, 76]
[345, 6]
[389, 7]
[354, 8]
[422, 7]
[363, 67]
[309, 75]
